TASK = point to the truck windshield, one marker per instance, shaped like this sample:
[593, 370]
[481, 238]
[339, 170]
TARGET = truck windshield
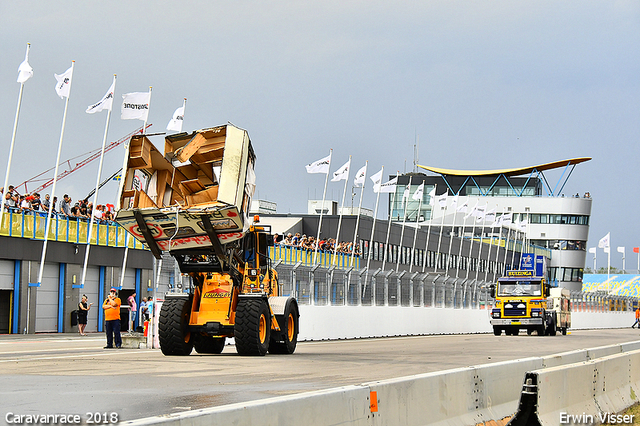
[520, 288]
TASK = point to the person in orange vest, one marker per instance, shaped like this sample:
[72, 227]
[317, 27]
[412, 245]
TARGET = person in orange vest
[111, 308]
[637, 318]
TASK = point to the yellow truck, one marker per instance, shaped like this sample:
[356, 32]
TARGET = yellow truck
[192, 201]
[524, 301]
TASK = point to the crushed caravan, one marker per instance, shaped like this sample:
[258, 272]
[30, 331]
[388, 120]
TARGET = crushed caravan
[201, 186]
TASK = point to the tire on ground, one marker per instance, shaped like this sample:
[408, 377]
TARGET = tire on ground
[252, 329]
[285, 341]
[209, 345]
[173, 327]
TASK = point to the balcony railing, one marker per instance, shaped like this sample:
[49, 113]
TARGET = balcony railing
[65, 229]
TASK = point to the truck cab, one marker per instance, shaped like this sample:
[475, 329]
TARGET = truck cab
[523, 301]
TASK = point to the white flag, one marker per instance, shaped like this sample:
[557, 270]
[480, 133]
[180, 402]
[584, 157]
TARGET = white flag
[358, 180]
[523, 225]
[621, 250]
[463, 207]
[417, 196]
[432, 196]
[105, 103]
[405, 195]
[63, 83]
[490, 216]
[592, 250]
[604, 242]
[342, 173]
[480, 213]
[177, 120]
[454, 203]
[135, 106]
[389, 186]
[442, 199]
[472, 212]
[25, 72]
[507, 218]
[376, 179]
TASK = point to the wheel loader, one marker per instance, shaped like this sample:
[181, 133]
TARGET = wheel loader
[193, 202]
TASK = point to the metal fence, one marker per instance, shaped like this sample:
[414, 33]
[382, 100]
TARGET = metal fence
[322, 286]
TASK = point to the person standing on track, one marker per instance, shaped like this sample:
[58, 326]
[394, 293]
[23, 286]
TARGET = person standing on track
[111, 308]
[83, 311]
[637, 318]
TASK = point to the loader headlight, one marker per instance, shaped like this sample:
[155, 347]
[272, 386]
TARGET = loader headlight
[535, 313]
[495, 313]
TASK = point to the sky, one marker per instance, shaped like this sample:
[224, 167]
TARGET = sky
[479, 85]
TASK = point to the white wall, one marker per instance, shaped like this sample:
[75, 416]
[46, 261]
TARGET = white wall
[347, 322]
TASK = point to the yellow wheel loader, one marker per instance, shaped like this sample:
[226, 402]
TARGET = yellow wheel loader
[193, 202]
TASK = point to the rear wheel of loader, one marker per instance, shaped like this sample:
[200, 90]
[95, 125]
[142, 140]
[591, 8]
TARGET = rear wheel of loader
[209, 345]
[286, 340]
[173, 327]
[252, 330]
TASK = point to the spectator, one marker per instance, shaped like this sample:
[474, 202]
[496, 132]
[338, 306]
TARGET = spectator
[36, 203]
[25, 206]
[111, 308]
[133, 310]
[83, 310]
[46, 203]
[64, 205]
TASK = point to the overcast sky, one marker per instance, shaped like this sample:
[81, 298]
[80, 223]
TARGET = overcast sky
[483, 85]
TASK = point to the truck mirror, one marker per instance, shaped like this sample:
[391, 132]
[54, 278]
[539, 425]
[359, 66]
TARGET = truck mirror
[492, 291]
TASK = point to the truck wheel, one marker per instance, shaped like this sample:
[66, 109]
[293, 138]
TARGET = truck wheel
[252, 329]
[497, 331]
[564, 331]
[540, 331]
[173, 331]
[284, 342]
[209, 345]
[552, 329]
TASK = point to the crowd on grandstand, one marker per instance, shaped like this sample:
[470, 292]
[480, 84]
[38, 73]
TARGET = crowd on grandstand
[82, 209]
[309, 243]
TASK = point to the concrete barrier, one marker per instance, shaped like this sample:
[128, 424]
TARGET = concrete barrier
[485, 394]
[581, 393]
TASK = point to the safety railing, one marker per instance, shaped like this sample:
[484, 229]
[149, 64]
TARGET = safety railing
[64, 229]
[292, 255]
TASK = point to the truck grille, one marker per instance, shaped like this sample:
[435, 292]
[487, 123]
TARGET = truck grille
[515, 312]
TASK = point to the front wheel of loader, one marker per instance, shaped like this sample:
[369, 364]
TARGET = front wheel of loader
[209, 345]
[252, 330]
[286, 340]
[173, 327]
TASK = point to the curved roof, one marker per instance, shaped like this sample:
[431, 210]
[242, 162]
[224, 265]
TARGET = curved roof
[507, 172]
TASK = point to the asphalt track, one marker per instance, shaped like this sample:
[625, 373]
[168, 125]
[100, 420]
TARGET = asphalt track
[70, 374]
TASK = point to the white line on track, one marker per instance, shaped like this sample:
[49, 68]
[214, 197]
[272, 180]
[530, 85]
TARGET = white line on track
[44, 358]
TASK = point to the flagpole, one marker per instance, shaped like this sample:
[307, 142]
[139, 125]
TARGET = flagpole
[386, 243]
[484, 221]
[415, 233]
[464, 226]
[55, 179]
[473, 232]
[453, 222]
[373, 228]
[95, 195]
[440, 237]
[13, 141]
[324, 193]
[486, 272]
[500, 242]
[344, 193]
[426, 248]
[404, 219]
[355, 233]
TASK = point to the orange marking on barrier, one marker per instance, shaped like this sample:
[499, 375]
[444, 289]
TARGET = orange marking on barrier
[373, 401]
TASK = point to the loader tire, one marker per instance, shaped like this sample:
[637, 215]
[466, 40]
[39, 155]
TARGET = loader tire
[285, 341]
[209, 345]
[252, 330]
[173, 331]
